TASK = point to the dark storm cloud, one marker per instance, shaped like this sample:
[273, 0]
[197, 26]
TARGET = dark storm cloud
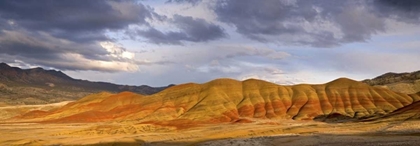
[47, 32]
[41, 45]
[181, 1]
[155, 36]
[198, 29]
[300, 22]
[68, 19]
[191, 29]
[404, 10]
[319, 23]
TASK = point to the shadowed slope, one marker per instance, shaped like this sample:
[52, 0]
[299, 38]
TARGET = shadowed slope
[227, 100]
[409, 112]
[39, 86]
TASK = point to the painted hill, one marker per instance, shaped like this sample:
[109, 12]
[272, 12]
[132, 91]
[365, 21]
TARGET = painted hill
[409, 112]
[227, 100]
[9, 111]
[39, 86]
[408, 83]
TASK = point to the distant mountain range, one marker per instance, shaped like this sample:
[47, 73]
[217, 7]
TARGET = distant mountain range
[408, 83]
[39, 86]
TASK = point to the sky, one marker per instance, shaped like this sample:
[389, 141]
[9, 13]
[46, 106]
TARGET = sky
[162, 42]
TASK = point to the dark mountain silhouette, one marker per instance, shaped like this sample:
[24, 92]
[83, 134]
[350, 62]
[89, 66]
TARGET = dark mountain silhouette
[38, 86]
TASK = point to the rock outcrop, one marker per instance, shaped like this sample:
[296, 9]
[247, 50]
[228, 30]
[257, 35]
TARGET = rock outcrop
[408, 83]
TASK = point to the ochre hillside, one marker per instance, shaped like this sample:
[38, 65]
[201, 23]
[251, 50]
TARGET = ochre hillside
[227, 100]
[410, 112]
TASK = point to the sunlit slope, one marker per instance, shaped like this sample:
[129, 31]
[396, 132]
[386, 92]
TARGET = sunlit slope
[9, 111]
[227, 100]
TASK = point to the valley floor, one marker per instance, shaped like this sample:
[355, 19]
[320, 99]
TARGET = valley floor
[263, 132]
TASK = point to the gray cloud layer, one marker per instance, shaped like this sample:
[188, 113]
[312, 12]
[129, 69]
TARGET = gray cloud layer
[58, 33]
[62, 34]
[191, 29]
[404, 10]
[74, 20]
[320, 23]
